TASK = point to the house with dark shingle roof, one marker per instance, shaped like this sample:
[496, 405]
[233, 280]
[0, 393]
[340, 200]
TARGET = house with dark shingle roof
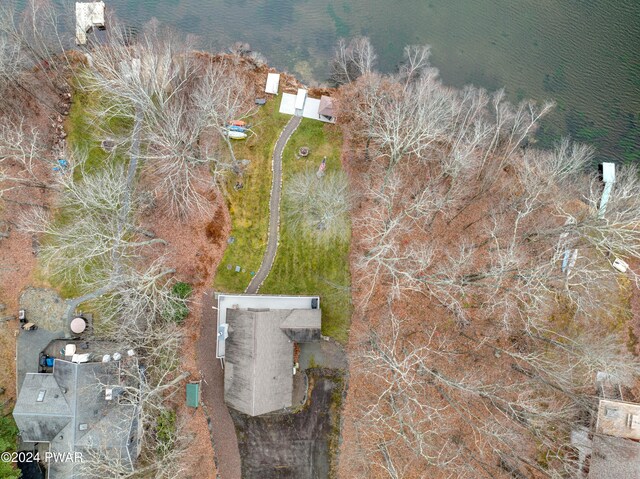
[77, 409]
[258, 365]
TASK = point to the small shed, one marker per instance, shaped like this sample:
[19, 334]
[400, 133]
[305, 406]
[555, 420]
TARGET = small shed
[88, 16]
[193, 394]
[326, 111]
[273, 81]
[619, 419]
[616, 450]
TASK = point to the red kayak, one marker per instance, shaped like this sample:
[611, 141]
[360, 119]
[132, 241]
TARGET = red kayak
[238, 123]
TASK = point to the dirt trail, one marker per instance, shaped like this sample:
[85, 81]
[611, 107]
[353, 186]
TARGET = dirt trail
[274, 207]
[223, 433]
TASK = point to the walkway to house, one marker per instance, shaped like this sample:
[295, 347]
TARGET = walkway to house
[274, 207]
[223, 433]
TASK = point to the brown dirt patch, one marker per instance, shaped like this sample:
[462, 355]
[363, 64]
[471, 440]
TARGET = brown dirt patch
[635, 309]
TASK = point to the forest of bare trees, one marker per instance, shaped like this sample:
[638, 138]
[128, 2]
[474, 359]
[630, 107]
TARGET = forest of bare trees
[164, 107]
[486, 300]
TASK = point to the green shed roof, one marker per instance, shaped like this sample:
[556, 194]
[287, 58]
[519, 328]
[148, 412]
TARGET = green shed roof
[193, 394]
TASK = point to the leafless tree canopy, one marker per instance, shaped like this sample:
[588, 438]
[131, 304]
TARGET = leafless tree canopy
[178, 102]
[352, 60]
[34, 61]
[318, 205]
[92, 240]
[484, 278]
[167, 108]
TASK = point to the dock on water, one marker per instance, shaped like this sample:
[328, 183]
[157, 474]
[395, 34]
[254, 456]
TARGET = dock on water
[88, 16]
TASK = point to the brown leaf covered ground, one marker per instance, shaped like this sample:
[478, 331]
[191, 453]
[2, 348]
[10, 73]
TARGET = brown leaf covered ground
[470, 353]
[18, 262]
[195, 248]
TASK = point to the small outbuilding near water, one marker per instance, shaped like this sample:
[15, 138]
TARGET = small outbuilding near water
[325, 110]
[88, 16]
[273, 82]
[302, 105]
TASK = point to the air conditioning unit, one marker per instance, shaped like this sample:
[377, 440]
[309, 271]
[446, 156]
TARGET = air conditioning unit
[223, 331]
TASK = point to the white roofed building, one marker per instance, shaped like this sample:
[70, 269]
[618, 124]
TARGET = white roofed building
[302, 105]
[273, 82]
[88, 16]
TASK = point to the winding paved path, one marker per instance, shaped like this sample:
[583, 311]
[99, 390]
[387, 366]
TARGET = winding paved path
[72, 304]
[274, 207]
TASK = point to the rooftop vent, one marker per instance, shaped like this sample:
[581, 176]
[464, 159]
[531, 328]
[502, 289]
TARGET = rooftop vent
[83, 427]
[610, 412]
[633, 421]
[41, 395]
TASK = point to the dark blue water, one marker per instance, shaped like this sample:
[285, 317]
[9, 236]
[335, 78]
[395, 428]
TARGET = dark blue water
[584, 54]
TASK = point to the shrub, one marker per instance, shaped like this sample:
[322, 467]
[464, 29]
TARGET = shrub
[8, 441]
[178, 309]
[165, 430]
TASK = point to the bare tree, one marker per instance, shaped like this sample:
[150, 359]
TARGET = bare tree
[159, 441]
[463, 218]
[318, 205]
[36, 40]
[97, 229]
[23, 155]
[179, 102]
[552, 391]
[416, 59]
[352, 60]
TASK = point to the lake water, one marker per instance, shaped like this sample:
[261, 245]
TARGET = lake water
[584, 54]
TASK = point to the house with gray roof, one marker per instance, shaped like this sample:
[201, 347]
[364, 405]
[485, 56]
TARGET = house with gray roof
[78, 409]
[616, 441]
[259, 348]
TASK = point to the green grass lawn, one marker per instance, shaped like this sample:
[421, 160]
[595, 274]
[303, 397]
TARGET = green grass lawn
[249, 207]
[303, 265]
[84, 136]
[83, 133]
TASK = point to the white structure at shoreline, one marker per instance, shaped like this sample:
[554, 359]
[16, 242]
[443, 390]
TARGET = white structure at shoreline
[273, 82]
[303, 105]
[88, 16]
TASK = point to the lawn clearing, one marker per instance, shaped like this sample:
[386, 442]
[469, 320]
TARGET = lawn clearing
[303, 265]
[249, 206]
[83, 134]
